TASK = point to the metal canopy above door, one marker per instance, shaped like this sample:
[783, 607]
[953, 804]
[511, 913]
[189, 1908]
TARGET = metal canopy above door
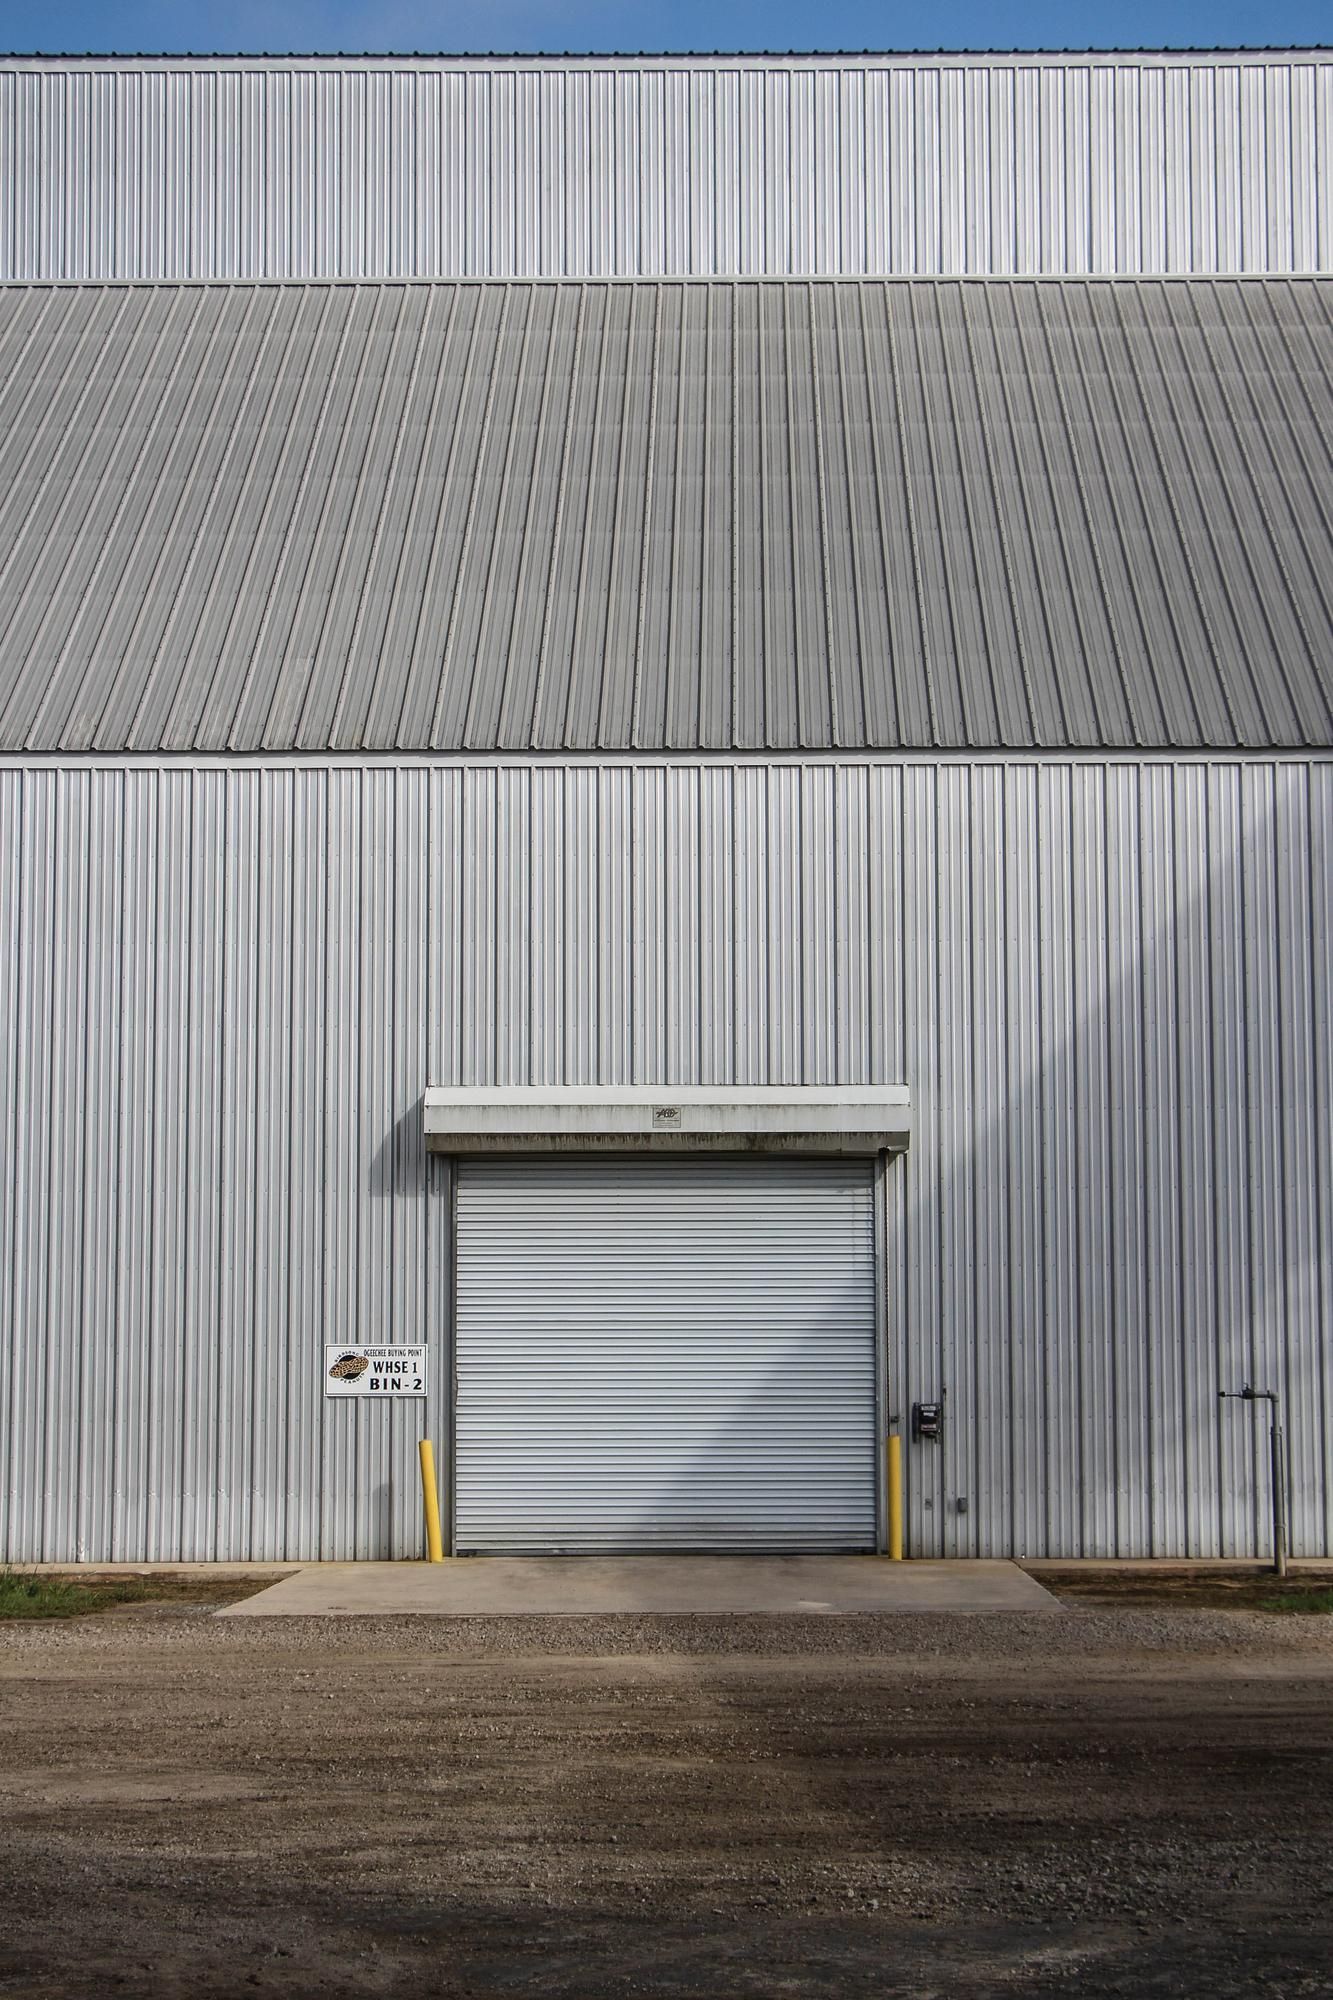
[835, 1118]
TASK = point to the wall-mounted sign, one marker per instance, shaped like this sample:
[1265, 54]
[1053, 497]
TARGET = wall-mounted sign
[378, 1372]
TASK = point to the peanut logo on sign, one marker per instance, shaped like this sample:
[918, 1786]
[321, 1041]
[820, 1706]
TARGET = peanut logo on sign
[384, 1374]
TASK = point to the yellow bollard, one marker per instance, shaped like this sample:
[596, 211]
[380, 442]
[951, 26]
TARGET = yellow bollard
[895, 1483]
[430, 1494]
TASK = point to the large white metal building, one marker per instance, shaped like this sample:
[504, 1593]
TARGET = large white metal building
[666, 729]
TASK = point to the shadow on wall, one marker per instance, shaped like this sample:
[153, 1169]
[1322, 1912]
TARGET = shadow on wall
[401, 1164]
[1100, 986]
[1121, 1096]
[1108, 990]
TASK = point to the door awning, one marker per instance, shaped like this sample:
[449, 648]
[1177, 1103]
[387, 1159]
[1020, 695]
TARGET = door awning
[852, 1119]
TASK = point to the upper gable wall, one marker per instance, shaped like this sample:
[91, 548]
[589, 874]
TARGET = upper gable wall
[168, 168]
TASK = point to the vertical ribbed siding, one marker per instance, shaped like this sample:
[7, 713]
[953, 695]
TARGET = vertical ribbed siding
[754, 165]
[1107, 986]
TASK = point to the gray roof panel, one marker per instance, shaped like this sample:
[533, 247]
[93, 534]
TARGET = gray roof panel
[690, 515]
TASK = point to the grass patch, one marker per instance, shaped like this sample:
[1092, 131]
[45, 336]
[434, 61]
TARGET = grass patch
[1301, 1600]
[35, 1596]
[54, 1594]
[46, 1596]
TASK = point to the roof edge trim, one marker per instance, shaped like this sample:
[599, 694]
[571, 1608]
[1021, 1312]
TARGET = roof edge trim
[686, 58]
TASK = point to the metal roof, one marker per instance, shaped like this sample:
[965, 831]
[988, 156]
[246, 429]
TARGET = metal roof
[697, 515]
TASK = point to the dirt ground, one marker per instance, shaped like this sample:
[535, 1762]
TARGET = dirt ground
[1119, 1801]
[1247, 1587]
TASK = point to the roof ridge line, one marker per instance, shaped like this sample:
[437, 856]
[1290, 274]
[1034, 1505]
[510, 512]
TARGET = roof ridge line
[931, 280]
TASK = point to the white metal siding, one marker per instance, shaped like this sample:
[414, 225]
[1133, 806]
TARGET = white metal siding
[1107, 984]
[665, 1354]
[247, 168]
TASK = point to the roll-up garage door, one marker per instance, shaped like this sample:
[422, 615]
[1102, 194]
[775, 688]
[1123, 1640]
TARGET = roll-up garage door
[665, 1353]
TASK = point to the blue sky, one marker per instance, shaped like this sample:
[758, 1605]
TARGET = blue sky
[536, 25]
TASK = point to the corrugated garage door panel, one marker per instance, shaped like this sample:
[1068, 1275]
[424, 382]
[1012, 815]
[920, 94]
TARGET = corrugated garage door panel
[665, 1354]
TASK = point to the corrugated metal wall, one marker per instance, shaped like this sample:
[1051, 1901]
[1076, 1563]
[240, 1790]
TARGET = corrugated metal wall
[383, 168]
[1108, 987]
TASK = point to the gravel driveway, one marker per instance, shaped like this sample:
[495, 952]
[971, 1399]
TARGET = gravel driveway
[1112, 1802]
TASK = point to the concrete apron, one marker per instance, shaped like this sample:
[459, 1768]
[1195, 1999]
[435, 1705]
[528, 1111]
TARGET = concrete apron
[602, 1586]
